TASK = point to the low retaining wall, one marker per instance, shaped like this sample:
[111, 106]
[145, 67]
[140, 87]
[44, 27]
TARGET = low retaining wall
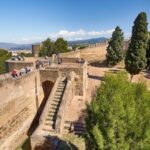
[10, 65]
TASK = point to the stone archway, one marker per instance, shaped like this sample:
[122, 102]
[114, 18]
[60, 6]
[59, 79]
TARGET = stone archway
[47, 88]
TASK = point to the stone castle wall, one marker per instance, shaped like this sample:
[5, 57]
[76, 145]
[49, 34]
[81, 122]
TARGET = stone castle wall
[20, 99]
[91, 53]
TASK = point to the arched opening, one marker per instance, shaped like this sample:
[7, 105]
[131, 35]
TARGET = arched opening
[47, 88]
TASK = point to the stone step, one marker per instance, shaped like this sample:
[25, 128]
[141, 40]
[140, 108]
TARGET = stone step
[54, 107]
[61, 83]
[57, 96]
[58, 93]
[47, 128]
[56, 102]
[78, 129]
[79, 125]
[67, 125]
[51, 113]
[59, 90]
[49, 123]
[50, 129]
[60, 87]
[68, 122]
[66, 130]
[63, 78]
[79, 132]
[50, 118]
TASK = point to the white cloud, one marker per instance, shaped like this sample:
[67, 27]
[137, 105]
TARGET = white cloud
[80, 34]
[67, 35]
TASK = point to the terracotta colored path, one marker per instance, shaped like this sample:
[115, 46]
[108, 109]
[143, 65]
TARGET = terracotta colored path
[77, 107]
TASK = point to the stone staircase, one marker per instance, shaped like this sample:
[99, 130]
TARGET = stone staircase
[77, 128]
[49, 124]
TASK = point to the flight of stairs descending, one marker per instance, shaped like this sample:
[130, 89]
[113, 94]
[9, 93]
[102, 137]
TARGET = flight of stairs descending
[50, 120]
[77, 128]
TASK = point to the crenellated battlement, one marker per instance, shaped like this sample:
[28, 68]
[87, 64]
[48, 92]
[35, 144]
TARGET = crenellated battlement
[98, 44]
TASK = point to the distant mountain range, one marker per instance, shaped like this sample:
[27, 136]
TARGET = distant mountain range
[14, 46]
[87, 41]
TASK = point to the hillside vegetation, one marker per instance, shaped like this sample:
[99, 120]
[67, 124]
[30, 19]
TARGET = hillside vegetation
[4, 55]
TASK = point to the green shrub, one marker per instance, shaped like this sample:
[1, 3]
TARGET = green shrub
[4, 55]
[118, 117]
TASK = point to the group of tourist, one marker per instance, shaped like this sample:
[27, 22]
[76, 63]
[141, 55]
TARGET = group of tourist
[59, 60]
[15, 73]
[41, 63]
[18, 58]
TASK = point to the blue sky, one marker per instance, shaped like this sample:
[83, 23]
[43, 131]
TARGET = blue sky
[27, 21]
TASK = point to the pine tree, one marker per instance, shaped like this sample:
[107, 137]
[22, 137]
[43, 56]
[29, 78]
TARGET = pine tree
[135, 60]
[61, 45]
[115, 48]
[47, 48]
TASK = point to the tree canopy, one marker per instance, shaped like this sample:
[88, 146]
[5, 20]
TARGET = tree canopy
[118, 117]
[49, 47]
[115, 47]
[61, 45]
[135, 60]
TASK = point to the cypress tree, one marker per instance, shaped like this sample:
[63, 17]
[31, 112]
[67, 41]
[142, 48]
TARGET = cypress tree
[135, 60]
[115, 48]
[148, 53]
